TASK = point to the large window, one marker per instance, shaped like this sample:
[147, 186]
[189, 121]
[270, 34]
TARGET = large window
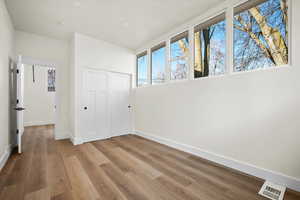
[260, 40]
[158, 63]
[142, 69]
[210, 47]
[179, 56]
[260, 34]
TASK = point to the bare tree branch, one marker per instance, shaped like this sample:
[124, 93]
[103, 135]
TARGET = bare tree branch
[256, 39]
[239, 28]
[272, 36]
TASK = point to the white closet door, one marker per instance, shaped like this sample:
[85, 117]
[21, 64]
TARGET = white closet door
[120, 85]
[95, 108]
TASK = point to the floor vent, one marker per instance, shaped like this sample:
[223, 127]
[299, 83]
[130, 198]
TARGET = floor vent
[272, 191]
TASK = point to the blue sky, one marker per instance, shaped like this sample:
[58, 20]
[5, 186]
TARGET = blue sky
[158, 64]
[142, 70]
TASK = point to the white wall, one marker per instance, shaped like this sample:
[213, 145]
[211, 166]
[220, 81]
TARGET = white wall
[6, 51]
[72, 88]
[57, 51]
[89, 52]
[95, 53]
[249, 117]
[39, 103]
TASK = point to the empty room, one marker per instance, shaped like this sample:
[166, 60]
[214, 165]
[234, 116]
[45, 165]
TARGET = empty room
[149, 100]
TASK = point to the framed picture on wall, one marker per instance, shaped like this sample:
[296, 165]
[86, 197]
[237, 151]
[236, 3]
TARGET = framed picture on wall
[51, 80]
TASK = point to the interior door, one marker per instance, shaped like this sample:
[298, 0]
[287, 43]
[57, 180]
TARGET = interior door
[120, 85]
[19, 104]
[95, 108]
[12, 100]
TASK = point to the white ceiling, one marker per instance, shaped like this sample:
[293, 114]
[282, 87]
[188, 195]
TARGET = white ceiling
[128, 23]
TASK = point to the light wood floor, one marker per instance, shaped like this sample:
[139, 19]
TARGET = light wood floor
[126, 167]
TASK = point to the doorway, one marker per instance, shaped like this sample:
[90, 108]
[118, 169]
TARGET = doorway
[39, 95]
[31, 82]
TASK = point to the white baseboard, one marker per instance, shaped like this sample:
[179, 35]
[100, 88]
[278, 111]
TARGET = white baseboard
[84, 140]
[38, 123]
[120, 134]
[4, 157]
[61, 135]
[78, 140]
[275, 177]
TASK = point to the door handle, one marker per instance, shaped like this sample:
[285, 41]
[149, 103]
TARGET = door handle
[19, 108]
[85, 108]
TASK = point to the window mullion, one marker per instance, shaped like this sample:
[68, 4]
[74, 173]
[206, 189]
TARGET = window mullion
[191, 54]
[168, 61]
[149, 67]
[290, 34]
[229, 40]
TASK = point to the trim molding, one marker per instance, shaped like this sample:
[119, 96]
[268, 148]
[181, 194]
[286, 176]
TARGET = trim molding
[84, 140]
[276, 177]
[5, 156]
[120, 134]
[76, 140]
[61, 135]
[38, 123]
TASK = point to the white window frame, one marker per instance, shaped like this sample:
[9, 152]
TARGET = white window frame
[222, 11]
[137, 69]
[229, 54]
[166, 62]
[189, 56]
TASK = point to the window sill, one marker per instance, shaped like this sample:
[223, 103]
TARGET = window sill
[275, 68]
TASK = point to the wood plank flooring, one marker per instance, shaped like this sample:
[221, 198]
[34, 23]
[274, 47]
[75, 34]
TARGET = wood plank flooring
[122, 168]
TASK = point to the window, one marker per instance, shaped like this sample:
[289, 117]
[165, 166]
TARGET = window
[142, 69]
[210, 47]
[51, 80]
[158, 63]
[179, 56]
[260, 34]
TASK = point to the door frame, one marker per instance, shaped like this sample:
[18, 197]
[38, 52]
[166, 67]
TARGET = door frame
[81, 103]
[19, 101]
[44, 63]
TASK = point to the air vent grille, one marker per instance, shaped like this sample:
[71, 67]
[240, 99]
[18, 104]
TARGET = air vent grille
[272, 191]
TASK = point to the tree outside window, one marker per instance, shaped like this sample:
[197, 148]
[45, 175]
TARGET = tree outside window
[260, 34]
[179, 56]
[210, 47]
